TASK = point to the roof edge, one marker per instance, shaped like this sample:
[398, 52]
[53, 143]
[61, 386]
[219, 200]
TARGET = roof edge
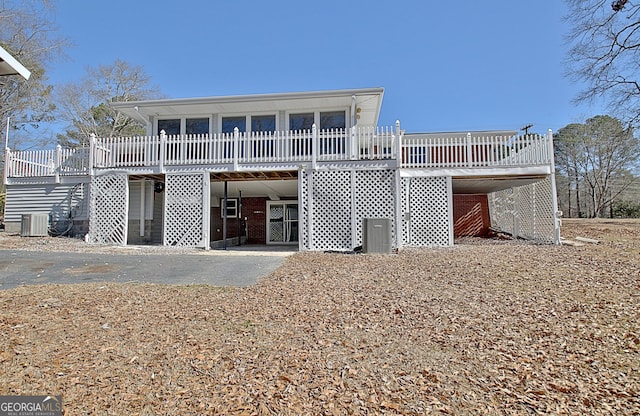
[251, 97]
[14, 64]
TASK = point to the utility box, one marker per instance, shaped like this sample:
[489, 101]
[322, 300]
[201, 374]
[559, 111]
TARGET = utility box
[376, 235]
[35, 225]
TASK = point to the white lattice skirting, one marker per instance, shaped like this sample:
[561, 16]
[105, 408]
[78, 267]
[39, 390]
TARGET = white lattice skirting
[526, 211]
[108, 209]
[427, 211]
[334, 203]
[186, 210]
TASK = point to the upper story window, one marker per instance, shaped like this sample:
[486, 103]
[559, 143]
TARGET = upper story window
[325, 120]
[171, 127]
[301, 121]
[333, 120]
[174, 127]
[256, 123]
[263, 123]
[197, 126]
[230, 123]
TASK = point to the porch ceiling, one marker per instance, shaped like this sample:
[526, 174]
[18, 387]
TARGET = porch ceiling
[485, 185]
[273, 189]
[253, 176]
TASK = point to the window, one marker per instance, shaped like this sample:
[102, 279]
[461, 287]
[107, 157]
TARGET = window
[232, 208]
[263, 123]
[197, 126]
[230, 123]
[171, 127]
[332, 120]
[302, 121]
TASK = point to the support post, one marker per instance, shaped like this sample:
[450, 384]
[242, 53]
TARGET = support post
[314, 146]
[398, 144]
[142, 207]
[355, 146]
[206, 211]
[7, 164]
[400, 215]
[468, 150]
[554, 192]
[310, 209]
[224, 217]
[92, 154]
[239, 216]
[236, 152]
[303, 222]
[398, 185]
[163, 146]
[58, 163]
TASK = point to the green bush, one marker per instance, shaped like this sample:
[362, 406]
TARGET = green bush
[626, 209]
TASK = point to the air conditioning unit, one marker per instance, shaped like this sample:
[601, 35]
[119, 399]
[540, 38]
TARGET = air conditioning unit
[376, 235]
[35, 225]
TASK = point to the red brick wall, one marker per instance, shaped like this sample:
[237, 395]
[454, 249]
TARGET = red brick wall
[254, 209]
[470, 215]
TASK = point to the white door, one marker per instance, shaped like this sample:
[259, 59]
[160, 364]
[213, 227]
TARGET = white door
[282, 222]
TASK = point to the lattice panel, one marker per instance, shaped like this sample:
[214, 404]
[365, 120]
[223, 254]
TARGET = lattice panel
[331, 210]
[374, 198]
[545, 218]
[526, 211]
[184, 210]
[524, 204]
[404, 203]
[501, 210]
[108, 207]
[429, 209]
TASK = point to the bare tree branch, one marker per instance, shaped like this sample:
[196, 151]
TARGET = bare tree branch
[605, 53]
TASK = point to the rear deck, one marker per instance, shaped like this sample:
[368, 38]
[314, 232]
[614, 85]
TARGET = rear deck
[460, 155]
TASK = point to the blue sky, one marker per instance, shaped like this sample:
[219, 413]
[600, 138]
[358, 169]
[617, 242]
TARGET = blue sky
[445, 66]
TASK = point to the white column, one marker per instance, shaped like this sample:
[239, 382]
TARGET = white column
[398, 144]
[236, 148]
[142, 207]
[314, 146]
[92, 154]
[554, 191]
[7, 164]
[163, 143]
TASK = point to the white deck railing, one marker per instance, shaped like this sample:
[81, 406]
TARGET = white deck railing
[234, 149]
[474, 151]
[36, 163]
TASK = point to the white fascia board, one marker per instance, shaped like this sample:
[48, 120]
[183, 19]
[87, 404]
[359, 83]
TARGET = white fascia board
[10, 65]
[486, 172]
[249, 98]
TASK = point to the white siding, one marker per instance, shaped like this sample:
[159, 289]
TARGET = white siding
[58, 201]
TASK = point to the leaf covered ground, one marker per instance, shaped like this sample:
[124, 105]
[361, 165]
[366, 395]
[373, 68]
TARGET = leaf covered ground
[484, 327]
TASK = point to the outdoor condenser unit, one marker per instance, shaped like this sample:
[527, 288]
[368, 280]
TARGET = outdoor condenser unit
[34, 225]
[376, 235]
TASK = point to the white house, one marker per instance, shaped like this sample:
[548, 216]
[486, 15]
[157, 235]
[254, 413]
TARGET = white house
[303, 168]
